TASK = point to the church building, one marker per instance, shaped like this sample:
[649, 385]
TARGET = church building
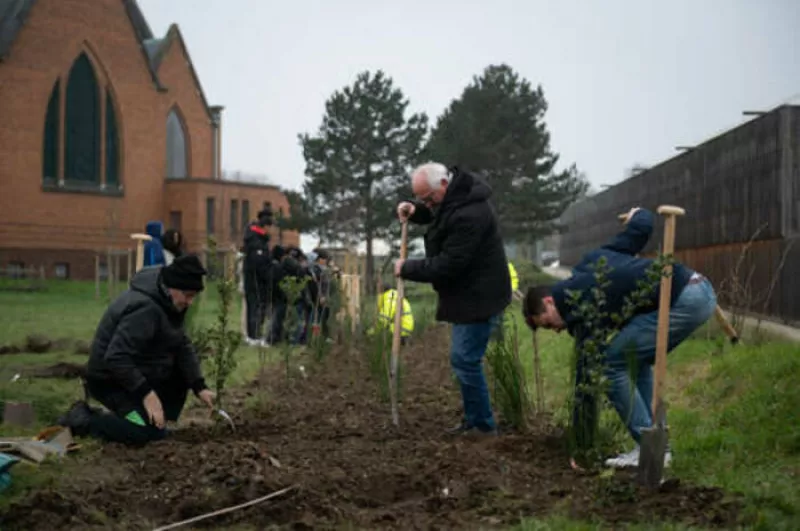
[104, 128]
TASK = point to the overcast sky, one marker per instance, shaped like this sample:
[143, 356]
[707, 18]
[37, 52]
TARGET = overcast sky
[626, 81]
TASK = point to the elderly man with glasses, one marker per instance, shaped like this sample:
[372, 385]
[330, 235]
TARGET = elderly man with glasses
[466, 263]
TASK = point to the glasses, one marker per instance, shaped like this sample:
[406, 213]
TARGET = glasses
[426, 198]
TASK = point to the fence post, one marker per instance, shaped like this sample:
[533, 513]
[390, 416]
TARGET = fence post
[109, 273]
[117, 275]
[97, 276]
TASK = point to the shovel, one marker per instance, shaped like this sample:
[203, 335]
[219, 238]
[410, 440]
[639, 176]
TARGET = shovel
[398, 327]
[654, 439]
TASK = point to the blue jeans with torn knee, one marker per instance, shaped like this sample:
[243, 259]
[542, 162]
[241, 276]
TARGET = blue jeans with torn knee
[633, 352]
[468, 345]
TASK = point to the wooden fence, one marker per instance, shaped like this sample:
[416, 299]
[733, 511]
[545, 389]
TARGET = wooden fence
[741, 192]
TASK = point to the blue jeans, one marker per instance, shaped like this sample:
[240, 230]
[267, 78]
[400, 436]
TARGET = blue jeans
[468, 344]
[303, 322]
[636, 345]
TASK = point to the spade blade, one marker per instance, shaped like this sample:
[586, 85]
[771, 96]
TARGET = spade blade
[653, 448]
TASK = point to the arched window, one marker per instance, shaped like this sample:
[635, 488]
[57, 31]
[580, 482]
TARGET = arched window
[82, 148]
[112, 144]
[82, 151]
[51, 123]
[177, 166]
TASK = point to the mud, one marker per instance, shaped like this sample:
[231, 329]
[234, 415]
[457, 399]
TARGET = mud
[328, 435]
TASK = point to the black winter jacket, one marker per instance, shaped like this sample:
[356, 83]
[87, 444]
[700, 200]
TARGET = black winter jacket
[140, 340]
[465, 259]
[256, 247]
[286, 267]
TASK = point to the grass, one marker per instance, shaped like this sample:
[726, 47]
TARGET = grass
[733, 415]
[733, 410]
[70, 310]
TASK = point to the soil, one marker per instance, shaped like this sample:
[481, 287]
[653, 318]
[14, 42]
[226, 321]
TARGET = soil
[330, 436]
[59, 370]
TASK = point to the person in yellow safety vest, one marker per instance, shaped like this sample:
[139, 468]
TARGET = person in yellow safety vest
[514, 277]
[386, 314]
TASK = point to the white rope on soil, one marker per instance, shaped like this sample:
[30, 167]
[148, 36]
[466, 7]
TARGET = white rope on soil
[228, 509]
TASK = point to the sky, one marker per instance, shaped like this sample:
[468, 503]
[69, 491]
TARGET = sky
[626, 81]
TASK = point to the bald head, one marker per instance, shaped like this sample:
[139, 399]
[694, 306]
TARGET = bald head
[429, 182]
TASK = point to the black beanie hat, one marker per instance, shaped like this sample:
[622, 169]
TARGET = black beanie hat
[265, 215]
[184, 273]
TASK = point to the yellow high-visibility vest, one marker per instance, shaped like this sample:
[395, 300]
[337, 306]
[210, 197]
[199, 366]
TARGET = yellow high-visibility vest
[386, 309]
[514, 277]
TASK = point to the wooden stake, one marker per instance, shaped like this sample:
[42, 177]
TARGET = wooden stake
[97, 276]
[117, 274]
[140, 239]
[109, 273]
[537, 376]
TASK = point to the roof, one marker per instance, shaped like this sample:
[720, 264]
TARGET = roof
[13, 14]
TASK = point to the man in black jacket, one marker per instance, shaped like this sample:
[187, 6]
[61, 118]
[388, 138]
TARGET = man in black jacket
[285, 264]
[466, 264]
[256, 270]
[141, 364]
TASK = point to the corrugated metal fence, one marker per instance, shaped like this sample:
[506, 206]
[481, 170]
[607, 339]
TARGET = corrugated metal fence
[742, 186]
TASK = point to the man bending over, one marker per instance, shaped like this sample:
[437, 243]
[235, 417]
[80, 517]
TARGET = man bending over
[692, 303]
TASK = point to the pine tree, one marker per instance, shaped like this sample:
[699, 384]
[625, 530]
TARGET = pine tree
[357, 163]
[496, 128]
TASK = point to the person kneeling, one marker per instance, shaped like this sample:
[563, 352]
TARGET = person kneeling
[142, 364]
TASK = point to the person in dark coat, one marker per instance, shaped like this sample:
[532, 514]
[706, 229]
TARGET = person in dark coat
[172, 242]
[256, 269]
[692, 303]
[285, 264]
[142, 364]
[466, 263]
[153, 249]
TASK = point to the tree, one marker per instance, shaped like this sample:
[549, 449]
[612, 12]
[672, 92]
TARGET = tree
[357, 164]
[496, 128]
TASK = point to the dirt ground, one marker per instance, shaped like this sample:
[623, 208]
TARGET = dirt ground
[330, 437]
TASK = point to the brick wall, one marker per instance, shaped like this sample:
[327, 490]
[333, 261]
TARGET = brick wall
[81, 264]
[191, 196]
[50, 224]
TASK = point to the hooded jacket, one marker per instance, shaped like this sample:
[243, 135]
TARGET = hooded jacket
[465, 259]
[154, 250]
[140, 340]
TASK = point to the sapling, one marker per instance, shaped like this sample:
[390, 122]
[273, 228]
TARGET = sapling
[510, 386]
[598, 329]
[293, 287]
[223, 340]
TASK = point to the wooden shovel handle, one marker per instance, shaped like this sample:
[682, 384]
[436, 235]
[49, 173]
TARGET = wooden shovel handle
[398, 327]
[662, 334]
[730, 331]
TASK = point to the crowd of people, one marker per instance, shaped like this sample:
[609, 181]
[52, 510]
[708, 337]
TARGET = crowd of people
[268, 297]
[142, 365]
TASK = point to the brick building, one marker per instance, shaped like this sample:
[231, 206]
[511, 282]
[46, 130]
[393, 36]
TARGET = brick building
[104, 128]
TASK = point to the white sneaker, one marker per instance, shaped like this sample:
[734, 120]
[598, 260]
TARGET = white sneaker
[630, 459]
